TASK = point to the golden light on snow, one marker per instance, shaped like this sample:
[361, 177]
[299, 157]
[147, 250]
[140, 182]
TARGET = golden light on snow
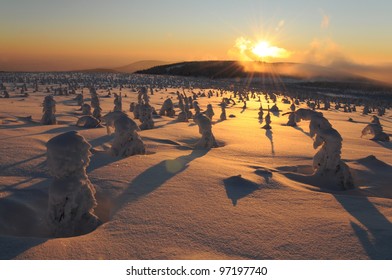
[174, 165]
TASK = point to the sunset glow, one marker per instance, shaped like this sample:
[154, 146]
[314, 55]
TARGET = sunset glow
[247, 50]
[61, 35]
[264, 50]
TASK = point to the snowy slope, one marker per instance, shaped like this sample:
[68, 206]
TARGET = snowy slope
[248, 199]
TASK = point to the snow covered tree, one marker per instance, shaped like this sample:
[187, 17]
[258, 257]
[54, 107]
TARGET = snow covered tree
[292, 107]
[205, 129]
[127, 141]
[79, 99]
[268, 120]
[49, 110]
[261, 112]
[145, 111]
[71, 195]
[111, 117]
[209, 112]
[223, 116]
[95, 104]
[366, 110]
[117, 102]
[88, 122]
[196, 107]
[185, 113]
[97, 113]
[375, 130]
[327, 161]
[86, 109]
[291, 121]
[167, 108]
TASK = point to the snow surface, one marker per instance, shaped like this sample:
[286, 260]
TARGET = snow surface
[250, 198]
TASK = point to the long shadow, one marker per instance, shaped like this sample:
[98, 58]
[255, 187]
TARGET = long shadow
[374, 230]
[100, 140]
[386, 145]
[300, 129]
[20, 218]
[154, 177]
[269, 135]
[100, 159]
[374, 163]
[175, 120]
[11, 247]
[377, 235]
[266, 174]
[26, 122]
[20, 125]
[56, 130]
[238, 187]
[62, 129]
[162, 141]
[22, 161]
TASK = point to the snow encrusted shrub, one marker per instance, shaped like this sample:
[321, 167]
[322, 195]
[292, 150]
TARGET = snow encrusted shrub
[88, 122]
[49, 110]
[196, 107]
[223, 116]
[292, 107]
[145, 110]
[79, 99]
[97, 113]
[94, 98]
[261, 112]
[127, 141]
[183, 104]
[111, 117]
[71, 194]
[209, 112]
[205, 129]
[375, 130]
[291, 121]
[167, 108]
[267, 121]
[327, 161]
[86, 109]
[146, 117]
[117, 102]
[95, 104]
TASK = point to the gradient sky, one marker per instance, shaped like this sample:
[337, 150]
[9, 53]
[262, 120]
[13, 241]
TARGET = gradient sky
[63, 35]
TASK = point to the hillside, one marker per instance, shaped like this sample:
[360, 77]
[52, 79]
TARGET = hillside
[233, 69]
[129, 68]
[139, 65]
[295, 76]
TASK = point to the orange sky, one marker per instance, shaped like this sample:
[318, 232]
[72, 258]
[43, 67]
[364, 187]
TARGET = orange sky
[68, 35]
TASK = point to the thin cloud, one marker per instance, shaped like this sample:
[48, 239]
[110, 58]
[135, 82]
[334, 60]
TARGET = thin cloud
[325, 22]
[323, 52]
[280, 25]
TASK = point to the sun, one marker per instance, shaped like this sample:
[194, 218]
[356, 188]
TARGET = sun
[263, 49]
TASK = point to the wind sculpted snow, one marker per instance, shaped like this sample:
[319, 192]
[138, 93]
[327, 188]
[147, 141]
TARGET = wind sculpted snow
[252, 197]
